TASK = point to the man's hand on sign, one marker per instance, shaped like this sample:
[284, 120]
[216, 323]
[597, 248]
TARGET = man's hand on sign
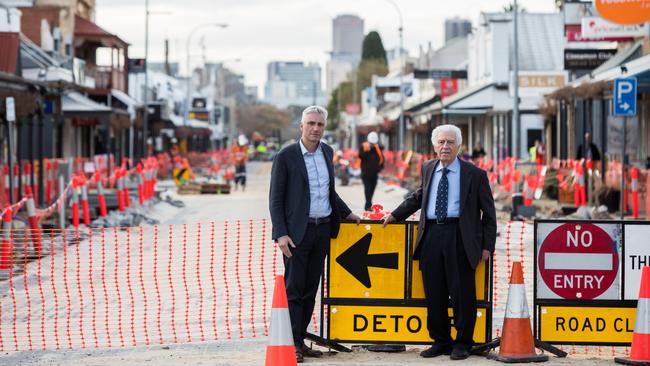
[354, 217]
[485, 255]
[284, 242]
[387, 220]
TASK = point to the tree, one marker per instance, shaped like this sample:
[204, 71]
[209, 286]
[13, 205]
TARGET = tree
[373, 62]
[373, 48]
[341, 96]
[263, 118]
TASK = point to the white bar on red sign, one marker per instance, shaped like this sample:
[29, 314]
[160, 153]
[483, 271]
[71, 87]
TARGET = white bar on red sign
[578, 261]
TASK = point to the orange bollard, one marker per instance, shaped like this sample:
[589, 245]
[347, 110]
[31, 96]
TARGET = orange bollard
[26, 178]
[281, 350]
[140, 184]
[5, 243]
[517, 344]
[120, 189]
[100, 194]
[75, 203]
[48, 182]
[34, 222]
[529, 189]
[147, 180]
[16, 182]
[84, 200]
[5, 172]
[634, 187]
[640, 353]
[125, 195]
[540, 183]
[580, 192]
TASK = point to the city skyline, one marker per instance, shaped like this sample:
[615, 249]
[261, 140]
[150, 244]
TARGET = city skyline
[286, 30]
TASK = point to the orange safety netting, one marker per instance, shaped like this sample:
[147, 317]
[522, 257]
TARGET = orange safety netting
[169, 284]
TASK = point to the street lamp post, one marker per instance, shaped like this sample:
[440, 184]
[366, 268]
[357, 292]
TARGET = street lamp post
[145, 117]
[186, 115]
[402, 129]
[515, 86]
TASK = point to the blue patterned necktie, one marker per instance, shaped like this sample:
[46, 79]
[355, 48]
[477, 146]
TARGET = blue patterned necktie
[442, 196]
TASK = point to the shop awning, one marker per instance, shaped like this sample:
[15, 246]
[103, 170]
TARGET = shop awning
[131, 104]
[75, 102]
[478, 99]
[639, 68]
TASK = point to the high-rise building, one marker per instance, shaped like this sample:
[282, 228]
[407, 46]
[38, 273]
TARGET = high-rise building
[457, 27]
[293, 83]
[347, 41]
[347, 34]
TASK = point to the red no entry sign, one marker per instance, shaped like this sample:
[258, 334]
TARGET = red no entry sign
[578, 261]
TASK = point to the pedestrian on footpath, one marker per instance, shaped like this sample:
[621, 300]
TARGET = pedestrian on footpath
[372, 162]
[239, 157]
[306, 213]
[457, 230]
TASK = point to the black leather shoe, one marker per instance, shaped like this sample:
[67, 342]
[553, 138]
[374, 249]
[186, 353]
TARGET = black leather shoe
[436, 350]
[299, 357]
[459, 353]
[308, 352]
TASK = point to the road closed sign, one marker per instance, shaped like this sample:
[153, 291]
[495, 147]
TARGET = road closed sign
[578, 261]
[568, 324]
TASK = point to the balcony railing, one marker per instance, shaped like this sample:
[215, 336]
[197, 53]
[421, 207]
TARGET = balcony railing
[107, 77]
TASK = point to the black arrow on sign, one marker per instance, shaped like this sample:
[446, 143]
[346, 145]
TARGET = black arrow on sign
[356, 260]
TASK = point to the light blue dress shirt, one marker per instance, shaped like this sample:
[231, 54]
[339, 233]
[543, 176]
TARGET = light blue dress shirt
[319, 182]
[453, 200]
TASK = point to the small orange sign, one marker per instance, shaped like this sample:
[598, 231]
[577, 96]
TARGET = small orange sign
[624, 11]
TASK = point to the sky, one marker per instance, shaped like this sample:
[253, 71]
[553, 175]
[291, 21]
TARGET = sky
[261, 31]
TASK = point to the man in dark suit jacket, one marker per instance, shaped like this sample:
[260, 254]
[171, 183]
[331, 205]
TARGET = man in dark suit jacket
[306, 212]
[457, 229]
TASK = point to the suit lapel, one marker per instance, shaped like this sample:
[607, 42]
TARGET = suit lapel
[427, 184]
[301, 162]
[465, 179]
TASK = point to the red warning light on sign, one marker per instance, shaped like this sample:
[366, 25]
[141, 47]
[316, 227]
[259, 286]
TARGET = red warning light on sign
[578, 261]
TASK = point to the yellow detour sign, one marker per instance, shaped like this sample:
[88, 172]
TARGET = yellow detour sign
[368, 262]
[389, 324]
[584, 325]
[374, 289]
[417, 287]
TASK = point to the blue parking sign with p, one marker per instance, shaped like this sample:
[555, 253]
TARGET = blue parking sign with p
[625, 97]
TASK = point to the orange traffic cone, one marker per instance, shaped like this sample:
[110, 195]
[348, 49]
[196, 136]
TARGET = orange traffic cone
[517, 344]
[640, 354]
[281, 350]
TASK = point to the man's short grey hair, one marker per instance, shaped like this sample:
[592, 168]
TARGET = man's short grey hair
[314, 109]
[446, 128]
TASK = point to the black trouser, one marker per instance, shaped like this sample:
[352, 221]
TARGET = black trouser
[446, 273]
[240, 174]
[302, 273]
[369, 185]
